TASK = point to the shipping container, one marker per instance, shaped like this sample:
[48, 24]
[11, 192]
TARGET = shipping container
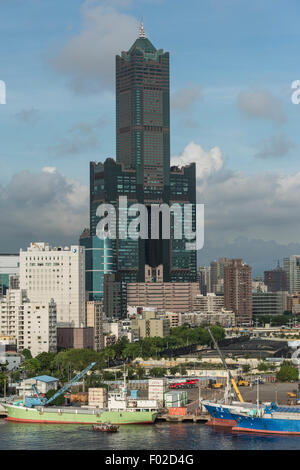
[174, 411]
[81, 397]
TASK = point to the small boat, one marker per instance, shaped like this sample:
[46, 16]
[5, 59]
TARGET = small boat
[105, 427]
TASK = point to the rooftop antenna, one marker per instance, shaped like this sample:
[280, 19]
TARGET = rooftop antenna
[142, 33]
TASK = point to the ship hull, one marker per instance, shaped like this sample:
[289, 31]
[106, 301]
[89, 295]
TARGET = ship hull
[67, 416]
[220, 416]
[267, 425]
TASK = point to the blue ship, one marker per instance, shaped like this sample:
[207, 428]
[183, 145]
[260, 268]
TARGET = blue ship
[270, 420]
[221, 414]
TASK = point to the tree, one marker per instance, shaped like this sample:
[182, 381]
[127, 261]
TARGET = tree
[174, 370]
[246, 368]
[262, 367]
[27, 354]
[31, 367]
[140, 373]
[287, 372]
[158, 372]
[3, 380]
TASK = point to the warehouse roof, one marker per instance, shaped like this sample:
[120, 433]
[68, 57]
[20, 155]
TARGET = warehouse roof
[45, 378]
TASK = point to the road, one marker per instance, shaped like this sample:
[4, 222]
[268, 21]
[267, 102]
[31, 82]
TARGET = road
[268, 392]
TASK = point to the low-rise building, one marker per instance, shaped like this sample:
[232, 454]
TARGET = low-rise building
[152, 327]
[43, 384]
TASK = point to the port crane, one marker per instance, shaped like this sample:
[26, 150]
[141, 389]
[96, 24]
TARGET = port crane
[40, 401]
[229, 375]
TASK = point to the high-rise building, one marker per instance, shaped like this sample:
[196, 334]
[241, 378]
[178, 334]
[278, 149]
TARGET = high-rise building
[203, 276]
[142, 173]
[238, 290]
[291, 266]
[56, 273]
[94, 319]
[276, 279]
[217, 275]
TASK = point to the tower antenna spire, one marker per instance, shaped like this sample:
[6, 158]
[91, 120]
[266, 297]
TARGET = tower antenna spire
[142, 33]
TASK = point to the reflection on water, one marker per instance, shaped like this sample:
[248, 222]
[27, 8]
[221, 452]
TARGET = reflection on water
[171, 436]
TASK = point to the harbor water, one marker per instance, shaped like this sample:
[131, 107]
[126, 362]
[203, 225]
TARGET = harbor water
[160, 436]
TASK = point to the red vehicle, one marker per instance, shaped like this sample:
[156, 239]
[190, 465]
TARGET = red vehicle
[187, 384]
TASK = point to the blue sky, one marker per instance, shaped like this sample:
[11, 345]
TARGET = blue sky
[232, 65]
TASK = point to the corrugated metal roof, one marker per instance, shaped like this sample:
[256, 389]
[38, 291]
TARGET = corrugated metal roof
[45, 378]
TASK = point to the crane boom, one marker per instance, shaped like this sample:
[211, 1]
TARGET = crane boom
[69, 384]
[235, 387]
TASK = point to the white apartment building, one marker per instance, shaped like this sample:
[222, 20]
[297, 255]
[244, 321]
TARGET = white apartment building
[56, 273]
[210, 303]
[32, 324]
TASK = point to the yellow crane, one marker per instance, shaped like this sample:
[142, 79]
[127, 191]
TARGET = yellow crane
[233, 383]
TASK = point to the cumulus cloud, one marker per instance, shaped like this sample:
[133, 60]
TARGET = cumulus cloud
[276, 146]
[88, 58]
[184, 99]
[207, 163]
[27, 116]
[261, 104]
[256, 205]
[44, 206]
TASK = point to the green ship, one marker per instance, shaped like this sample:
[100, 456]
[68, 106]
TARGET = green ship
[120, 410]
[71, 415]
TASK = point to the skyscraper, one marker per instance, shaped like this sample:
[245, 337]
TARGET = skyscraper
[142, 173]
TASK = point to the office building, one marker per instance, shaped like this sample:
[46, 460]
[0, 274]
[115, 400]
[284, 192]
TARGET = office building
[269, 303]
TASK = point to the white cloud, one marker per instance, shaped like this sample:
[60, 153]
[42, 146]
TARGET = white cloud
[207, 163]
[88, 58]
[42, 206]
[49, 169]
[261, 104]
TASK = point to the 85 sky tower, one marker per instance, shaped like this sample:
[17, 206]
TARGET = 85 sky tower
[142, 170]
